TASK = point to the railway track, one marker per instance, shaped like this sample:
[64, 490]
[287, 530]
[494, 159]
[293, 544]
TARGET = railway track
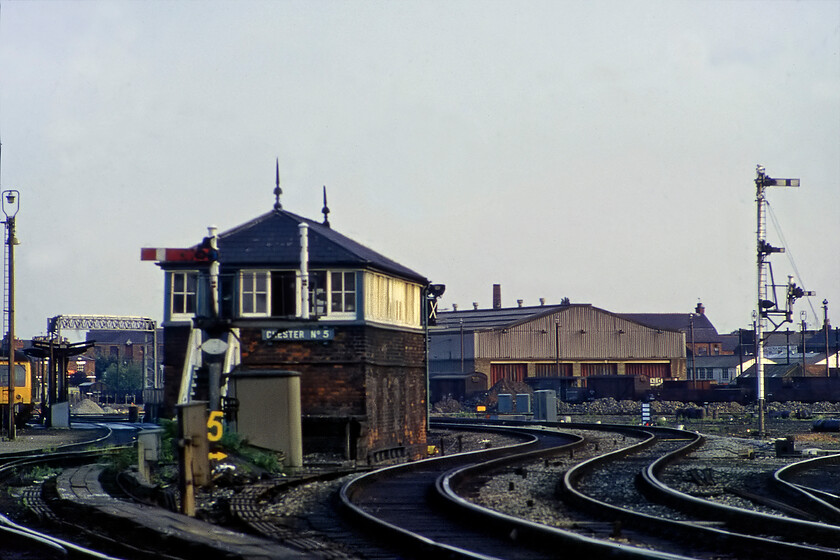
[762, 531]
[20, 542]
[403, 503]
[814, 483]
[713, 527]
[430, 504]
[623, 520]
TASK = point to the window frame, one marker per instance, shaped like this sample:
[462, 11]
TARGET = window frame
[188, 295]
[263, 308]
[254, 293]
[342, 294]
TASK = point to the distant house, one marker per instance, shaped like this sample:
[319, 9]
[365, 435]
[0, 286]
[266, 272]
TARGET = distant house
[785, 344]
[723, 369]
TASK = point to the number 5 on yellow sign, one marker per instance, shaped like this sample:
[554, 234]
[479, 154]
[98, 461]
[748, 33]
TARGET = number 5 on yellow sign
[214, 425]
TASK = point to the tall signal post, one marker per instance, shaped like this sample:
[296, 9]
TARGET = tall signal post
[766, 308]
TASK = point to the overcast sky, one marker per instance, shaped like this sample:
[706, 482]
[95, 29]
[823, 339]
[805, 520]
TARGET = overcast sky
[601, 151]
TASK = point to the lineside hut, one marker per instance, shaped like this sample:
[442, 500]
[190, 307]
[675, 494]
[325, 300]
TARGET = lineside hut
[288, 293]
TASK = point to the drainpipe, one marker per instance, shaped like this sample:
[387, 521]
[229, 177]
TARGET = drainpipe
[214, 269]
[304, 270]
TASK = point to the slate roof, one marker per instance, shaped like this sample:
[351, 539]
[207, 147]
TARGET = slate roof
[704, 330]
[793, 369]
[814, 340]
[273, 239]
[720, 361]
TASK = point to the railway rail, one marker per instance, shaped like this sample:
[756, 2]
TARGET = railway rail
[421, 504]
[682, 527]
[714, 528]
[431, 505]
[814, 482]
[20, 542]
[757, 532]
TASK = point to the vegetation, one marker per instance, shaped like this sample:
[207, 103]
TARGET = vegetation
[122, 459]
[233, 443]
[120, 376]
[168, 441]
[39, 473]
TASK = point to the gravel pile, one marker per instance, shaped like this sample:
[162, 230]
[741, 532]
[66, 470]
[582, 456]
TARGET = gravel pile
[86, 406]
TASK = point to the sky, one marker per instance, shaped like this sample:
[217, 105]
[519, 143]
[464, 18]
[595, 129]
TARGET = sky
[603, 151]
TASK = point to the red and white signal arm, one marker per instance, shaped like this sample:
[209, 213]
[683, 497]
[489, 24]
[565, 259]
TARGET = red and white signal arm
[168, 255]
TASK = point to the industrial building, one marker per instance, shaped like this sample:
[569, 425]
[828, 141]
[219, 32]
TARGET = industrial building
[283, 293]
[550, 346]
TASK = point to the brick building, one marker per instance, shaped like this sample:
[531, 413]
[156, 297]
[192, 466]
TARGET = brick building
[289, 293]
[128, 346]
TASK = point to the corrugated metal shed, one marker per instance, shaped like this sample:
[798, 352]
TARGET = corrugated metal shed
[585, 333]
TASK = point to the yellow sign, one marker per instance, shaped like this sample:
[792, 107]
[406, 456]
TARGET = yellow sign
[216, 456]
[215, 426]
[481, 408]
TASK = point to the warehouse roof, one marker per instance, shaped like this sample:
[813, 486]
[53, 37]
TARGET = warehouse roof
[479, 319]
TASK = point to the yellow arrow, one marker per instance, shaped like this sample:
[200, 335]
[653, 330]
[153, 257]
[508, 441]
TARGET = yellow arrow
[216, 456]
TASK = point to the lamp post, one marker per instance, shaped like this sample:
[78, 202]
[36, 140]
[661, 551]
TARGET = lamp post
[11, 205]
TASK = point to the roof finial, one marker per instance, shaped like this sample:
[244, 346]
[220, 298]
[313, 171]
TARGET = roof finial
[325, 210]
[277, 190]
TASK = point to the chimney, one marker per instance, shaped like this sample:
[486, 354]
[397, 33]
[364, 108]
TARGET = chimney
[475, 305]
[497, 296]
[700, 310]
[542, 301]
[454, 307]
[519, 302]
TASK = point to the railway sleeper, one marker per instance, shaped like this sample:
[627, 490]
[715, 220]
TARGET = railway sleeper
[775, 504]
[35, 503]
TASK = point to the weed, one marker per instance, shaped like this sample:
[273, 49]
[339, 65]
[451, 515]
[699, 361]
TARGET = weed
[122, 459]
[233, 443]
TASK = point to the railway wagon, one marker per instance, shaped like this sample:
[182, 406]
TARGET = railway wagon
[24, 396]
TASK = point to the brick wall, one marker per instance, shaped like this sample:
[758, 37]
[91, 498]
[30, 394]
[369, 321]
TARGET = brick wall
[369, 375]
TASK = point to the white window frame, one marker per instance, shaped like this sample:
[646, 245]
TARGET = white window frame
[342, 294]
[185, 293]
[254, 293]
